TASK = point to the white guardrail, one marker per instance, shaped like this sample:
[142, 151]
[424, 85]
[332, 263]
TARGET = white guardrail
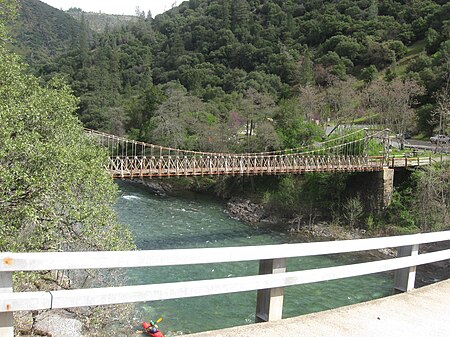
[269, 283]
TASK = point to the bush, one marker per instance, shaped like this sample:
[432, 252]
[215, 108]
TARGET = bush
[353, 209]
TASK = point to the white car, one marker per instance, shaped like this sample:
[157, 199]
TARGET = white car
[440, 139]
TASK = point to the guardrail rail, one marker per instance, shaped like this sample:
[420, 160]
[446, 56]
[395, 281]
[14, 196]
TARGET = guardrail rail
[269, 283]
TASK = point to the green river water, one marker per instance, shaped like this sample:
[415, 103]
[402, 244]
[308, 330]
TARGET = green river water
[196, 221]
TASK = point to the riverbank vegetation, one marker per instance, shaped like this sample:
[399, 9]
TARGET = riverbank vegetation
[427, 201]
[54, 192]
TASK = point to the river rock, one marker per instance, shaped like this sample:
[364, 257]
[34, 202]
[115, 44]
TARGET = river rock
[58, 324]
[245, 210]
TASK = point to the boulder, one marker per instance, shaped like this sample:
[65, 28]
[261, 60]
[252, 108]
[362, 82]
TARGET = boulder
[58, 324]
[245, 210]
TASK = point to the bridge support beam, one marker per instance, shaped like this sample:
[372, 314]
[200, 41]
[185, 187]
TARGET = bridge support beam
[269, 302]
[6, 318]
[404, 279]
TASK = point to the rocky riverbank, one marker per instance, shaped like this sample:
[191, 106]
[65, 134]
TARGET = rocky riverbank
[255, 214]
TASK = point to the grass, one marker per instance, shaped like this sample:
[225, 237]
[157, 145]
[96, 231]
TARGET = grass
[407, 152]
[414, 51]
[421, 136]
[416, 48]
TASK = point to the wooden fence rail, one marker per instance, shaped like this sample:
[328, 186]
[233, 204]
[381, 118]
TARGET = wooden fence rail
[409, 161]
[269, 284]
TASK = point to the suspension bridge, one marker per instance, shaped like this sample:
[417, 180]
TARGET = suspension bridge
[358, 151]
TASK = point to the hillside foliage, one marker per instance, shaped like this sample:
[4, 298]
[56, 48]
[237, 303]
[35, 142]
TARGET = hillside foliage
[42, 32]
[249, 68]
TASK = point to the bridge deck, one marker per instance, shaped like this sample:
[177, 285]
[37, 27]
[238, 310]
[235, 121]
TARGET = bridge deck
[421, 312]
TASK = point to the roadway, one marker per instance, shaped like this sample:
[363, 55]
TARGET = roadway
[418, 313]
[424, 145]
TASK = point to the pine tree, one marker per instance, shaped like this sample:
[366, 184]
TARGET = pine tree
[240, 14]
[83, 43]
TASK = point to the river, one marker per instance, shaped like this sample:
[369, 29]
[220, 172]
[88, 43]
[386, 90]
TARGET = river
[196, 221]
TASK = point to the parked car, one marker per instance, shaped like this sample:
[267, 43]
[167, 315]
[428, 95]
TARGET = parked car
[405, 135]
[440, 139]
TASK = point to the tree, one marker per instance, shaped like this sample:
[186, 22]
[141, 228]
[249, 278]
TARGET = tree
[140, 109]
[239, 14]
[393, 102]
[311, 102]
[83, 43]
[306, 65]
[176, 121]
[431, 202]
[8, 12]
[442, 111]
[349, 48]
[353, 209]
[257, 108]
[433, 41]
[369, 74]
[292, 127]
[398, 47]
[372, 11]
[55, 194]
[168, 127]
[343, 100]
[266, 137]
[54, 191]
[115, 121]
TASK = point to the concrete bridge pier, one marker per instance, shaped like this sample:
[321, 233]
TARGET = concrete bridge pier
[374, 188]
[385, 188]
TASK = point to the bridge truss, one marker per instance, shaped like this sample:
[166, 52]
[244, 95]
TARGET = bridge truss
[361, 150]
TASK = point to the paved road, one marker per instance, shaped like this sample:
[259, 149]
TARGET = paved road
[424, 312]
[424, 145]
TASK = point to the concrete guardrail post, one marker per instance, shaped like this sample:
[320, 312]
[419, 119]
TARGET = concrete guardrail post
[269, 302]
[405, 278]
[6, 318]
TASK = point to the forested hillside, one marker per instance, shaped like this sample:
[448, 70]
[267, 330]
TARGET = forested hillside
[42, 32]
[250, 75]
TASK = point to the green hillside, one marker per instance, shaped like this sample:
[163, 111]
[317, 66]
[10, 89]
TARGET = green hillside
[43, 32]
[235, 65]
